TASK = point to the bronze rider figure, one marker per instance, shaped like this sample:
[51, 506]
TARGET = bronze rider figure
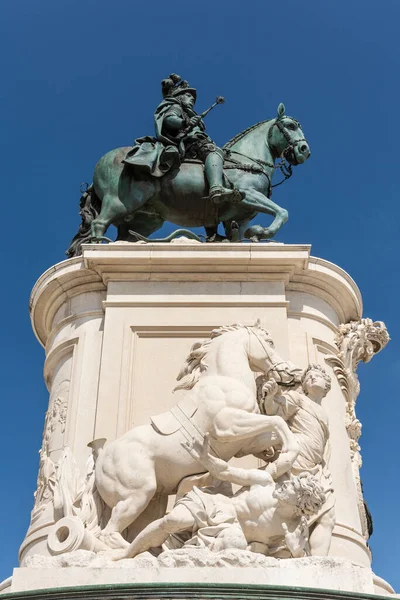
[180, 134]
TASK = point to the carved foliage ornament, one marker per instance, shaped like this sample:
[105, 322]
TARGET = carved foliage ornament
[356, 341]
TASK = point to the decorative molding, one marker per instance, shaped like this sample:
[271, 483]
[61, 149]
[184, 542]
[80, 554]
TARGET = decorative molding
[288, 263]
[323, 346]
[126, 413]
[71, 319]
[313, 317]
[58, 285]
[183, 301]
[333, 297]
[63, 349]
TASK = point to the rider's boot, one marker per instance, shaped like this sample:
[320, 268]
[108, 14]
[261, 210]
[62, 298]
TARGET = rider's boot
[213, 167]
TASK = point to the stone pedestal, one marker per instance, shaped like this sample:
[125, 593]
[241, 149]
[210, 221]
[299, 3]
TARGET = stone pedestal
[118, 322]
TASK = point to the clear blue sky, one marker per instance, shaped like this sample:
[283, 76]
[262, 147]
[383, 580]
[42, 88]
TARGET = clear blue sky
[82, 76]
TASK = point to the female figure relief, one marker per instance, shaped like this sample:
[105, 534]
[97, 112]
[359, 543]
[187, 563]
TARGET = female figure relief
[308, 421]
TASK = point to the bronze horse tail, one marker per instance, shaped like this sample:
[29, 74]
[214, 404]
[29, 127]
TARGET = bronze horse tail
[90, 206]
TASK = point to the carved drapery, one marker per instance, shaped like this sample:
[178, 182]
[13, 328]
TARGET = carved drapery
[356, 341]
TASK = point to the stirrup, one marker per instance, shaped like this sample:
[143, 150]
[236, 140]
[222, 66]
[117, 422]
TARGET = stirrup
[220, 194]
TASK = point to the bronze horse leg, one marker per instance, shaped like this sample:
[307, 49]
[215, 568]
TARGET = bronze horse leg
[260, 203]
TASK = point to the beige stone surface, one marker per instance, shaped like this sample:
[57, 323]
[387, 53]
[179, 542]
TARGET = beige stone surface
[326, 573]
[117, 324]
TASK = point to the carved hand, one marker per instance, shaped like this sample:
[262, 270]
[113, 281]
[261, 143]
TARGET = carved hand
[270, 389]
[220, 469]
[197, 450]
[201, 453]
[194, 121]
[297, 540]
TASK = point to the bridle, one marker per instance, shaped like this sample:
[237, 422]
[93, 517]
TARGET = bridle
[291, 144]
[276, 366]
[258, 165]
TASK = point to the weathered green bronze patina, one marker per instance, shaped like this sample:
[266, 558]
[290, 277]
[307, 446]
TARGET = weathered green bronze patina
[181, 176]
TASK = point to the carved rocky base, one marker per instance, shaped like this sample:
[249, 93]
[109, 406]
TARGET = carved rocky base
[233, 572]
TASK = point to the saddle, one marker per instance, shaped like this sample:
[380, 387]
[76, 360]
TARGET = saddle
[176, 418]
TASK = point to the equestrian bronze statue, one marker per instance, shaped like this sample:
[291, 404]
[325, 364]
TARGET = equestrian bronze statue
[180, 175]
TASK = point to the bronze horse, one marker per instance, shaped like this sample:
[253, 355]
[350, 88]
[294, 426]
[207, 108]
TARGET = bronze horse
[136, 201]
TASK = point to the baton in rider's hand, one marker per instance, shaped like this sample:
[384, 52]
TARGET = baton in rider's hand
[194, 121]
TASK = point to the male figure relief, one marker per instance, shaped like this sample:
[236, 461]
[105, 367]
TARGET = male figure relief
[309, 422]
[259, 517]
[180, 133]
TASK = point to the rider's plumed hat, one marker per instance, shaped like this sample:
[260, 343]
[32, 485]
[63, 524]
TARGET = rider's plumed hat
[174, 85]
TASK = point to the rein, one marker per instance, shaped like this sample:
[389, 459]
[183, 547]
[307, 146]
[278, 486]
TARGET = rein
[275, 366]
[284, 166]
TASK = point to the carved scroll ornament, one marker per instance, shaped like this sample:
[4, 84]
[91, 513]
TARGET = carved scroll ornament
[356, 341]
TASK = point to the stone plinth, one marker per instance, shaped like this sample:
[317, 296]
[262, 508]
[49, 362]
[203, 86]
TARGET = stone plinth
[117, 324]
[322, 573]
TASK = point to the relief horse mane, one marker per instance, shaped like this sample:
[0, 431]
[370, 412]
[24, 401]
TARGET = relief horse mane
[195, 364]
[243, 133]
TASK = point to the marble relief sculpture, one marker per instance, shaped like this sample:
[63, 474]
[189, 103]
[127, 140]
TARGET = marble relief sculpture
[301, 409]
[263, 516]
[218, 397]
[284, 509]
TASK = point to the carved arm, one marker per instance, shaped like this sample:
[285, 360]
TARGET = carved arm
[221, 470]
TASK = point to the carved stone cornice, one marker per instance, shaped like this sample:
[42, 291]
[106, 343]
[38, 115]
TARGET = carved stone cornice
[288, 266]
[57, 286]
